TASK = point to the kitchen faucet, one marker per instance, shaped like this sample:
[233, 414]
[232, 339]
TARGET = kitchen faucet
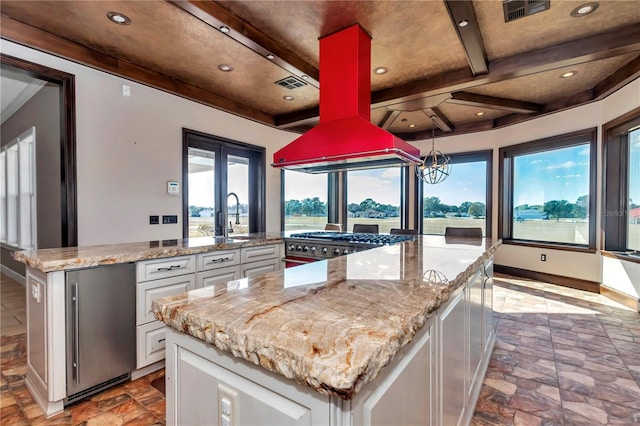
[230, 229]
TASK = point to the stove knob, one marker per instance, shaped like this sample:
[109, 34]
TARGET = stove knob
[324, 250]
[345, 251]
[336, 252]
[305, 248]
[298, 248]
[313, 250]
[292, 247]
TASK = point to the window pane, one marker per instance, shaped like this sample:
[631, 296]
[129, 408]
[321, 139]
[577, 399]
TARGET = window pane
[459, 201]
[238, 183]
[373, 197]
[305, 200]
[551, 195]
[202, 208]
[633, 236]
[3, 196]
[26, 197]
[12, 195]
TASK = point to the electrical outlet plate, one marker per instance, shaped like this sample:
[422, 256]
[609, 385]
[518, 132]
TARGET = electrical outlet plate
[227, 405]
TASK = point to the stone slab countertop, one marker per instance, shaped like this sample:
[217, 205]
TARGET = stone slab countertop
[57, 259]
[332, 324]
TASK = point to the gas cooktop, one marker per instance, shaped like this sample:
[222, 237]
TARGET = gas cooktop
[360, 238]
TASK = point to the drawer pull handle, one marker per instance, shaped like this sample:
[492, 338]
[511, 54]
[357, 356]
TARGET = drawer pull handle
[171, 268]
[221, 259]
[161, 340]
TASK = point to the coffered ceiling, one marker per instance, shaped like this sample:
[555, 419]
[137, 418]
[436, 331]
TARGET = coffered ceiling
[486, 74]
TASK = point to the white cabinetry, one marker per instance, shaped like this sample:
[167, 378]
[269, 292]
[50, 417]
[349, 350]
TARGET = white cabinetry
[158, 278]
[261, 260]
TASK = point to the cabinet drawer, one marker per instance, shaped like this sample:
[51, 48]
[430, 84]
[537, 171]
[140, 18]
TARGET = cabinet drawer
[164, 268]
[218, 259]
[254, 254]
[217, 276]
[150, 290]
[258, 268]
[150, 343]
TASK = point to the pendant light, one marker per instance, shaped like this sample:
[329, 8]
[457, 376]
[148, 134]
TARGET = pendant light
[436, 166]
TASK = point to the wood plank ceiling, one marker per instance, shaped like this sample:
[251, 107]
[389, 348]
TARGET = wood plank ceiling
[483, 75]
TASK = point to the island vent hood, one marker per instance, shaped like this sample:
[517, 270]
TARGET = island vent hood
[345, 138]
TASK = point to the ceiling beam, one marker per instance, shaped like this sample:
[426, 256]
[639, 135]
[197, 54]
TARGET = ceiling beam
[439, 119]
[388, 119]
[615, 81]
[35, 38]
[492, 102]
[463, 18]
[250, 37]
[596, 47]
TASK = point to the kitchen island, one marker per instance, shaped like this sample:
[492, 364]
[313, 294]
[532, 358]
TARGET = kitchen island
[398, 334]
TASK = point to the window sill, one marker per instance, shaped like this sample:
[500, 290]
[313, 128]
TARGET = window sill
[536, 244]
[633, 257]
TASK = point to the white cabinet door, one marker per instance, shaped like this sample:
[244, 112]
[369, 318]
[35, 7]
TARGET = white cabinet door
[150, 342]
[165, 268]
[147, 291]
[487, 310]
[453, 363]
[249, 403]
[476, 345]
[404, 395]
[258, 268]
[217, 276]
[257, 253]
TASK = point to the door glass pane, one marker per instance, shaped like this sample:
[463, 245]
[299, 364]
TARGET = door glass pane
[238, 184]
[633, 236]
[551, 195]
[12, 195]
[459, 201]
[373, 197]
[305, 200]
[202, 208]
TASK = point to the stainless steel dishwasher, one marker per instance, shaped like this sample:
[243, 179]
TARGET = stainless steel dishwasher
[101, 328]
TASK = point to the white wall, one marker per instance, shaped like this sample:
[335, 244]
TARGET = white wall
[587, 266]
[128, 148]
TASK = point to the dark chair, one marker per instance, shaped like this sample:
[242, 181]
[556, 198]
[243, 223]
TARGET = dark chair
[398, 231]
[333, 227]
[365, 228]
[451, 231]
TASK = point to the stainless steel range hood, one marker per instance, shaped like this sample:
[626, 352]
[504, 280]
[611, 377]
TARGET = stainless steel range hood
[345, 138]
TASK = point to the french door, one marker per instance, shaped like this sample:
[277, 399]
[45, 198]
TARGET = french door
[223, 183]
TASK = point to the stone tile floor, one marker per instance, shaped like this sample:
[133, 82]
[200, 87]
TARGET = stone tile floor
[562, 357]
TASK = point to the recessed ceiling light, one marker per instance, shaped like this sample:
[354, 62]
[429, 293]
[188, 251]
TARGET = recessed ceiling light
[380, 70]
[412, 125]
[480, 113]
[584, 9]
[287, 98]
[306, 77]
[463, 23]
[118, 18]
[270, 56]
[568, 74]
[225, 67]
[224, 29]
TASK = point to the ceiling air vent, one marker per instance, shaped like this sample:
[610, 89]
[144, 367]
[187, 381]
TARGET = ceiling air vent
[291, 83]
[515, 9]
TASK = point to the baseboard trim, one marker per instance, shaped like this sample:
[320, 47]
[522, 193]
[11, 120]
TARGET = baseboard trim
[577, 283]
[13, 275]
[622, 298]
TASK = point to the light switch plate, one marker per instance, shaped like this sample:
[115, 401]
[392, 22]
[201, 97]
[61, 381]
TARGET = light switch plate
[227, 405]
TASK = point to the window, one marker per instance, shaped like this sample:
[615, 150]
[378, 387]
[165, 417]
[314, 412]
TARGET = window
[463, 199]
[305, 200]
[374, 196]
[548, 189]
[17, 192]
[622, 183]
[223, 186]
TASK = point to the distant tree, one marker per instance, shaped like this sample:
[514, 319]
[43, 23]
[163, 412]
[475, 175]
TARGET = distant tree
[292, 207]
[431, 205]
[194, 211]
[581, 207]
[464, 207]
[369, 204]
[313, 207]
[558, 208]
[477, 209]
[353, 207]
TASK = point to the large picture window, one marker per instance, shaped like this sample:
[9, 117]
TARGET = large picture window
[305, 200]
[374, 197]
[622, 184]
[548, 189]
[463, 199]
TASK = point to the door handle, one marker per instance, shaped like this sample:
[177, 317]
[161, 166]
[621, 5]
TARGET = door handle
[76, 333]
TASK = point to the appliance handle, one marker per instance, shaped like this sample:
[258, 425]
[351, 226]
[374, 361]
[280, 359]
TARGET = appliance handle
[302, 262]
[76, 332]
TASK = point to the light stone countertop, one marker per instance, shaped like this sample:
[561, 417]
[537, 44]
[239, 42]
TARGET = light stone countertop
[333, 324]
[57, 259]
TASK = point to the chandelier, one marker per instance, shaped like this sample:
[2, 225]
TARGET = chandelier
[436, 166]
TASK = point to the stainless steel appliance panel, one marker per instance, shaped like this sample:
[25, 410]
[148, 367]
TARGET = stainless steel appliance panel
[101, 327]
